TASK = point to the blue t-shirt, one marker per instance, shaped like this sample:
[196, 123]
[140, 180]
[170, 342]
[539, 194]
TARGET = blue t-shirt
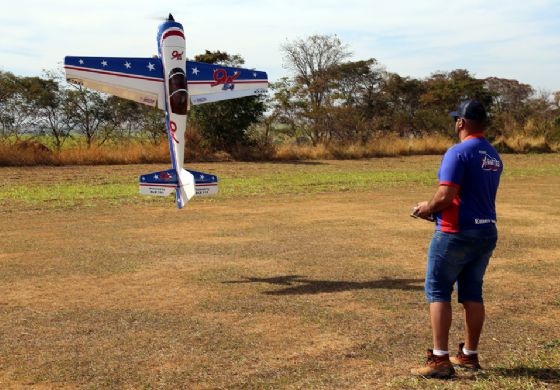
[473, 166]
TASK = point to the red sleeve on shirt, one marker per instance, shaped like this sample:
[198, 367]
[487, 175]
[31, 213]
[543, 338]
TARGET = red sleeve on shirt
[449, 183]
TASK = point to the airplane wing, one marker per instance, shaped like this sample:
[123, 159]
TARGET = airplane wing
[141, 79]
[209, 83]
[138, 79]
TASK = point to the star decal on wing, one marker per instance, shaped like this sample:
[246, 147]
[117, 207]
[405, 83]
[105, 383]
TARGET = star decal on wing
[195, 71]
[104, 63]
[151, 66]
[127, 65]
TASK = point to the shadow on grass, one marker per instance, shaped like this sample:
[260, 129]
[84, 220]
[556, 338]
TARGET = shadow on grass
[549, 375]
[299, 285]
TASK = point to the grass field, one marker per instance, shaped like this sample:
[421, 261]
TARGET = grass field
[303, 275]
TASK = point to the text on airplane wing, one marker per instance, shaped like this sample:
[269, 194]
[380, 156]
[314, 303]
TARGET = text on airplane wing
[209, 83]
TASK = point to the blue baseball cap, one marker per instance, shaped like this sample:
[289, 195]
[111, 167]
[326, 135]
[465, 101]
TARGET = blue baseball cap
[470, 109]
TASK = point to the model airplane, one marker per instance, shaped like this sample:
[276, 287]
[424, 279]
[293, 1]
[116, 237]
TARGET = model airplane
[167, 82]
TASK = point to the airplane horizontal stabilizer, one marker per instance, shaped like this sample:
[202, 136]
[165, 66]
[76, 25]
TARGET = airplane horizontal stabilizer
[164, 183]
[204, 183]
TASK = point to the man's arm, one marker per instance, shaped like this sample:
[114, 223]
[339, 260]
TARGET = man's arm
[442, 199]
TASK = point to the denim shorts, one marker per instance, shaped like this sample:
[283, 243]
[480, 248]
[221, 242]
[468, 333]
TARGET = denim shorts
[459, 258]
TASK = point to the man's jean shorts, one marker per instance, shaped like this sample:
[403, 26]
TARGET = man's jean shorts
[462, 258]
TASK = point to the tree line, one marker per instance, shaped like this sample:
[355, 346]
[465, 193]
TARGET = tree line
[326, 99]
[329, 99]
[48, 106]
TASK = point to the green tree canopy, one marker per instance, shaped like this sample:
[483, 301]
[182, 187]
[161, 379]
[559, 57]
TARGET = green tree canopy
[224, 124]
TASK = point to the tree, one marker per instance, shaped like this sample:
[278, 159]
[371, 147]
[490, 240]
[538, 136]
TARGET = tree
[556, 97]
[49, 101]
[511, 105]
[17, 109]
[7, 95]
[220, 57]
[224, 124]
[353, 81]
[152, 124]
[444, 90]
[313, 61]
[401, 108]
[129, 120]
[360, 84]
[508, 95]
[90, 114]
[290, 106]
[126, 117]
[355, 99]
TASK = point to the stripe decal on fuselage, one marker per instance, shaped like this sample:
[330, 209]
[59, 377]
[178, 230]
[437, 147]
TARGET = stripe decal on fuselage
[170, 33]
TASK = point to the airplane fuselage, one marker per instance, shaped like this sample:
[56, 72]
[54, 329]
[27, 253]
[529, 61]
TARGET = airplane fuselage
[172, 46]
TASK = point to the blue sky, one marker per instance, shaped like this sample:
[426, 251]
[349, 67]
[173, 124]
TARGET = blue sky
[413, 38]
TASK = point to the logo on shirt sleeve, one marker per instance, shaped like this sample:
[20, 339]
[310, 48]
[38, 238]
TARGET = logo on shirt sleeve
[489, 163]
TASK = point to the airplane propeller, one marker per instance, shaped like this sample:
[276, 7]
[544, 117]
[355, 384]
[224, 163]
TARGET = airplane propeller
[170, 18]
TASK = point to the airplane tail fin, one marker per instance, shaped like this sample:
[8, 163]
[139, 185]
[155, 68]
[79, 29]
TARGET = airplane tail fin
[185, 189]
[186, 185]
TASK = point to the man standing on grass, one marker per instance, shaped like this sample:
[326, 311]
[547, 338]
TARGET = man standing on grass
[465, 214]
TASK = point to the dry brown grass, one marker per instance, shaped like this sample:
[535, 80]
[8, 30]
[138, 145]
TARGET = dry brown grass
[120, 154]
[314, 291]
[526, 144]
[387, 146]
[30, 154]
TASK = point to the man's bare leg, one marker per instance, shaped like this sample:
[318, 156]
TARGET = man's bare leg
[440, 314]
[474, 319]
[438, 366]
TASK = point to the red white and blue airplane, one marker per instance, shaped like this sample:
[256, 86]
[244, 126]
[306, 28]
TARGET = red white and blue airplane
[167, 82]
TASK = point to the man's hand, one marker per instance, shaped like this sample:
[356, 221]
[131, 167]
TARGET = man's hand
[443, 198]
[422, 210]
